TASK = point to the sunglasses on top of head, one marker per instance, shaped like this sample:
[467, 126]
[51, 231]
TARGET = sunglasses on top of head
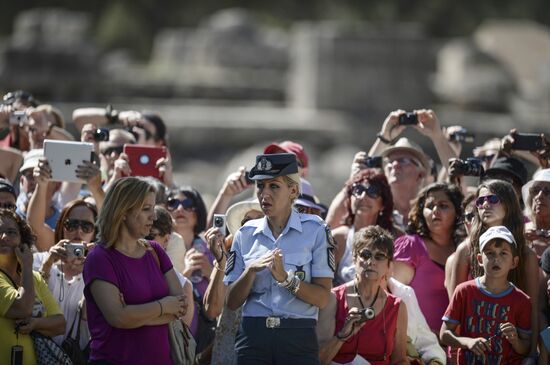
[372, 191]
[186, 203]
[492, 199]
[73, 224]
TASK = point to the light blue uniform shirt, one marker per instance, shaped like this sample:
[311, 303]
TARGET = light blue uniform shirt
[305, 247]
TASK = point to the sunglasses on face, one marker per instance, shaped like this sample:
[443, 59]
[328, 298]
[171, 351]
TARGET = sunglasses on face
[186, 203]
[372, 191]
[8, 206]
[535, 190]
[492, 199]
[109, 150]
[367, 255]
[468, 217]
[73, 224]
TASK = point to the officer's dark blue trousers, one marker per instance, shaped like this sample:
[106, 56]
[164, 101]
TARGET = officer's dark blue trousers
[256, 344]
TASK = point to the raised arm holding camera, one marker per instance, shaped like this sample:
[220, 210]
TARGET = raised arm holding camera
[234, 184]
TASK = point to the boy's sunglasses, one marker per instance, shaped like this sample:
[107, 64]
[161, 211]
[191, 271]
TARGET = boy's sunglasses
[372, 191]
[73, 224]
[492, 199]
[186, 203]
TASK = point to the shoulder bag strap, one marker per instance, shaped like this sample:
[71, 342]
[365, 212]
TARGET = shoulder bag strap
[11, 280]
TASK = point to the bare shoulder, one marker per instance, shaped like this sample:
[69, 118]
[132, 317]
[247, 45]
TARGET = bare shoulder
[463, 249]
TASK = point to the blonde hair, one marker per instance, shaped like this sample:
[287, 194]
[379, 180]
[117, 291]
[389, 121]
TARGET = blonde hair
[294, 180]
[124, 195]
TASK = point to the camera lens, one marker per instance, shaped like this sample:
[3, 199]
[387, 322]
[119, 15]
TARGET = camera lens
[218, 222]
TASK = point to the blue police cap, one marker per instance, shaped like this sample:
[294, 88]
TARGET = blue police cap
[273, 165]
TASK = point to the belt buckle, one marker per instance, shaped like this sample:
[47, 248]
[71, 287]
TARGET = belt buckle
[272, 322]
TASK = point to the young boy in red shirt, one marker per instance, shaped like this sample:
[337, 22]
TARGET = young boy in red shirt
[493, 315]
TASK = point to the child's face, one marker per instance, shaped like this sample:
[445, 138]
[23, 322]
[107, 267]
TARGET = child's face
[497, 258]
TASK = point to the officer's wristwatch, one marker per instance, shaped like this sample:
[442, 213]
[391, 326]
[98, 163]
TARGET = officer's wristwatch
[287, 281]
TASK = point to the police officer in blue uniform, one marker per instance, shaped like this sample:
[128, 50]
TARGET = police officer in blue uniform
[280, 268]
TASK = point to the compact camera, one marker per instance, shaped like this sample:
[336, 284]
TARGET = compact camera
[373, 162]
[462, 135]
[76, 250]
[543, 233]
[18, 117]
[408, 118]
[219, 222]
[366, 314]
[471, 167]
[101, 135]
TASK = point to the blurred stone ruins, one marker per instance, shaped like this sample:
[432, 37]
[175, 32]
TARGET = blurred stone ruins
[232, 85]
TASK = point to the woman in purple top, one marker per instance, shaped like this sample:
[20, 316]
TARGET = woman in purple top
[420, 256]
[130, 295]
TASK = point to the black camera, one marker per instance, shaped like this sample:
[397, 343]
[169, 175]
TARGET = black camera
[373, 162]
[471, 167]
[101, 135]
[462, 135]
[543, 233]
[408, 118]
[366, 314]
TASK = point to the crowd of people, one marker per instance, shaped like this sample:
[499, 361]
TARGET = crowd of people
[410, 263]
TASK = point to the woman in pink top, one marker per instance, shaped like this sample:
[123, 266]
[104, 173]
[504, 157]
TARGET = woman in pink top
[131, 295]
[420, 255]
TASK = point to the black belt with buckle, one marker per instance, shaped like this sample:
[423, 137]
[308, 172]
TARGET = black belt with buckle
[278, 322]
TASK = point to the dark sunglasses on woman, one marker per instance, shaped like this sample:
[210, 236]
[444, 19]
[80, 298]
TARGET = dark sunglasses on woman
[73, 224]
[186, 203]
[372, 191]
[367, 255]
[492, 199]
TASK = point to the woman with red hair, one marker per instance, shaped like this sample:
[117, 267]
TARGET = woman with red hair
[368, 202]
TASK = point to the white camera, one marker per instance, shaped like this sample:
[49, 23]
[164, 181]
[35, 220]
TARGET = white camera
[219, 222]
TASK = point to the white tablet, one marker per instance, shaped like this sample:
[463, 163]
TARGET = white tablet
[65, 156]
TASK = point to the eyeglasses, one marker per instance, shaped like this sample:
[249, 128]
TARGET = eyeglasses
[468, 217]
[402, 161]
[492, 199]
[109, 150]
[8, 206]
[186, 203]
[73, 224]
[10, 232]
[535, 190]
[367, 255]
[372, 191]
